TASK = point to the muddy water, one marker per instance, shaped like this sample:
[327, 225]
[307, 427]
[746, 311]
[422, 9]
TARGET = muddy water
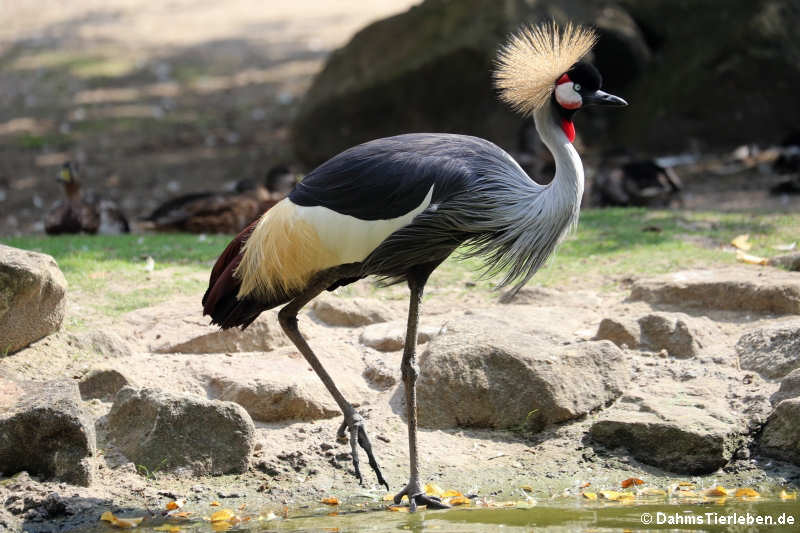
[764, 514]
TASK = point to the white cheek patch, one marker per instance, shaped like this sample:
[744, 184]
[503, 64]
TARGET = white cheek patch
[567, 97]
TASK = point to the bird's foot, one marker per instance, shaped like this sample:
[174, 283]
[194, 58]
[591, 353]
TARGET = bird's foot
[416, 498]
[358, 437]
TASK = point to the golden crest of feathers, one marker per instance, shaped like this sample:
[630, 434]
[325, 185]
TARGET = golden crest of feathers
[529, 65]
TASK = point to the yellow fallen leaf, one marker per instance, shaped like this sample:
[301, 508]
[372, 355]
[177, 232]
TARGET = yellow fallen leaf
[431, 489]
[741, 242]
[609, 494]
[686, 484]
[746, 493]
[459, 500]
[787, 495]
[398, 509]
[126, 523]
[215, 503]
[589, 495]
[527, 488]
[626, 496]
[719, 490]
[686, 494]
[330, 501]
[750, 259]
[450, 493]
[221, 525]
[177, 504]
[123, 523]
[631, 481]
[222, 515]
[178, 514]
[650, 491]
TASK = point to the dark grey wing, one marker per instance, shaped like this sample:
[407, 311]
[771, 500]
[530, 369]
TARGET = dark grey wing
[387, 178]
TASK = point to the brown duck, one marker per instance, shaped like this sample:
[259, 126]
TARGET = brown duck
[79, 213]
[221, 212]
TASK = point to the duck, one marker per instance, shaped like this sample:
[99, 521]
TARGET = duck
[628, 181]
[222, 212]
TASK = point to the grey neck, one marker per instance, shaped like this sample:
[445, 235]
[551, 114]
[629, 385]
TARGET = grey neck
[567, 185]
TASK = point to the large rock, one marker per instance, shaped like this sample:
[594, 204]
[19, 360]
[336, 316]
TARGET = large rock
[102, 383]
[790, 388]
[682, 428]
[163, 431]
[735, 289]
[44, 431]
[430, 69]
[178, 326]
[106, 343]
[32, 304]
[772, 351]
[677, 333]
[391, 336]
[477, 375]
[281, 386]
[781, 435]
[351, 312]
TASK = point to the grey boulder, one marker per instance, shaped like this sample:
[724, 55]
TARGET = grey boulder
[781, 435]
[44, 431]
[772, 351]
[32, 303]
[476, 376]
[163, 431]
[733, 289]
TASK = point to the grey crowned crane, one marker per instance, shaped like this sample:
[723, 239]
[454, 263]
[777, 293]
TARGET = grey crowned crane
[399, 206]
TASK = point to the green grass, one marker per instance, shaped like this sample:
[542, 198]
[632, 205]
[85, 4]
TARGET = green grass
[610, 245]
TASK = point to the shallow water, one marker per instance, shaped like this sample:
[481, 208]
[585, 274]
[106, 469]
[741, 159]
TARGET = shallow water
[559, 516]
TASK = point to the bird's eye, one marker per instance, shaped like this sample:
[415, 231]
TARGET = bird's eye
[577, 87]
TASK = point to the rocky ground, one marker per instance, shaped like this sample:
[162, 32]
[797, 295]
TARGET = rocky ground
[693, 374]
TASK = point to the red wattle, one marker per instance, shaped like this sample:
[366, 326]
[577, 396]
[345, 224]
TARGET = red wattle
[569, 129]
[563, 79]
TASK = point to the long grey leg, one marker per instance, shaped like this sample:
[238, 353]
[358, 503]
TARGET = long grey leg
[410, 372]
[352, 420]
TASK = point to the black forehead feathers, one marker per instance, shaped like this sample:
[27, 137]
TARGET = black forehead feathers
[586, 75]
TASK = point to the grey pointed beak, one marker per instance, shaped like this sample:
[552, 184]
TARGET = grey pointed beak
[603, 98]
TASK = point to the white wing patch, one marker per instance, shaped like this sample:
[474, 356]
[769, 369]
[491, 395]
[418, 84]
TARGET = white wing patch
[350, 238]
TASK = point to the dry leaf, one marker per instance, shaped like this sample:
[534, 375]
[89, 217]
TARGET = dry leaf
[330, 501]
[241, 507]
[398, 509]
[787, 495]
[453, 493]
[221, 525]
[609, 494]
[333, 513]
[168, 527]
[123, 523]
[222, 515]
[431, 489]
[459, 500]
[587, 484]
[686, 494]
[215, 503]
[746, 493]
[177, 504]
[719, 490]
[631, 481]
[178, 514]
[741, 243]
[589, 495]
[750, 259]
[652, 492]
[626, 497]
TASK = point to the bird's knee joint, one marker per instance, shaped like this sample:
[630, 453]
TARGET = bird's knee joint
[410, 372]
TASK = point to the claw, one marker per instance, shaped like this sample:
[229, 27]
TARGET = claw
[358, 437]
[419, 498]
